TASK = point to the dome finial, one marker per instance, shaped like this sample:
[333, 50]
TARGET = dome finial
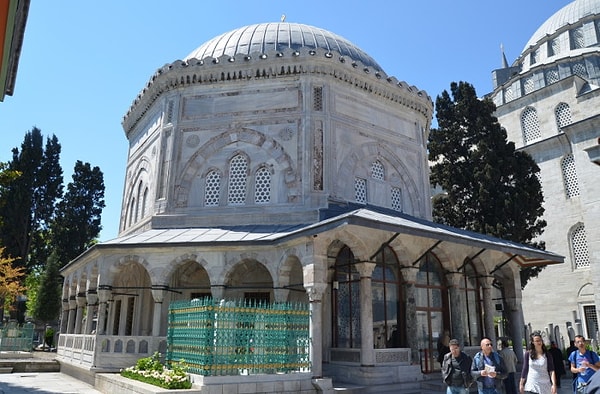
[283, 17]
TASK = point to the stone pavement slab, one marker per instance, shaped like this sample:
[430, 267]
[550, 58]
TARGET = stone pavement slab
[43, 383]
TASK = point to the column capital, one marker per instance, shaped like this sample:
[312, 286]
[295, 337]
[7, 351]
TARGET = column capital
[315, 291]
[486, 281]
[409, 273]
[365, 268]
[454, 278]
[158, 292]
[80, 299]
[104, 293]
[91, 297]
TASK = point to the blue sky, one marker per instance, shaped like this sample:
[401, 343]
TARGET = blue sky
[83, 62]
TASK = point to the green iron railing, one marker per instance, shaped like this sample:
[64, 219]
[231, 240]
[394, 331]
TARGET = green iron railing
[15, 338]
[236, 337]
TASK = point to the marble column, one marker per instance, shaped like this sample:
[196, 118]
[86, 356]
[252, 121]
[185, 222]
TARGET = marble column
[218, 292]
[281, 295]
[315, 293]
[72, 311]
[458, 329]
[104, 295]
[80, 301]
[158, 293]
[367, 351]
[409, 274]
[64, 320]
[517, 322]
[488, 308]
[91, 301]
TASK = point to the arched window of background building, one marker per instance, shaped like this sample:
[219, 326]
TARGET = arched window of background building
[577, 38]
[377, 170]
[579, 69]
[388, 327]
[569, 173]
[552, 76]
[144, 202]
[579, 247]
[360, 190]
[528, 84]
[471, 311]
[346, 301]
[563, 115]
[138, 201]
[530, 125]
[396, 199]
[238, 174]
[212, 189]
[262, 186]
[554, 47]
[431, 304]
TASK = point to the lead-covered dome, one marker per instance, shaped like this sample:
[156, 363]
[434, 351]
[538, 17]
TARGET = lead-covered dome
[271, 38]
[568, 15]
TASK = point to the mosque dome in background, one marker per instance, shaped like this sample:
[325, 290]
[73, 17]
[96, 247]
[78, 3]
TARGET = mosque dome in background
[274, 38]
[568, 15]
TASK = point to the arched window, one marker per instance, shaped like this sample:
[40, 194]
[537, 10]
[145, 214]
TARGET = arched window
[262, 186]
[563, 115]
[238, 168]
[530, 125]
[431, 302]
[377, 170]
[346, 301]
[471, 311]
[212, 189]
[360, 190]
[569, 173]
[137, 205]
[579, 247]
[144, 201]
[577, 38]
[388, 326]
[396, 198]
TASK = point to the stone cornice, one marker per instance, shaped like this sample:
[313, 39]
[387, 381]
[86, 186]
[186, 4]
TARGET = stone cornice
[277, 65]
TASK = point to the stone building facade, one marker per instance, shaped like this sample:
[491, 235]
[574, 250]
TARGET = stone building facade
[548, 101]
[279, 162]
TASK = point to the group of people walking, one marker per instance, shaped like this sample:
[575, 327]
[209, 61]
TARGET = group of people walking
[493, 371]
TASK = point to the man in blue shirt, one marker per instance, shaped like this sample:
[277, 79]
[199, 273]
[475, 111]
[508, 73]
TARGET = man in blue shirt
[584, 363]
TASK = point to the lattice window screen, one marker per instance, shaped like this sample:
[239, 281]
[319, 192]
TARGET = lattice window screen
[237, 181]
[569, 173]
[563, 115]
[552, 76]
[360, 190]
[579, 69]
[262, 188]
[579, 247]
[377, 171]
[528, 85]
[212, 189]
[577, 40]
[396, 198]
[530, 125]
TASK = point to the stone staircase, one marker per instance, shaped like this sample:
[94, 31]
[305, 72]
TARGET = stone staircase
[11, 362]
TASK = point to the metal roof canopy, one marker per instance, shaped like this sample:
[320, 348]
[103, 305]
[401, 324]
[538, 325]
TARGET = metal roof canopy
[273, 234]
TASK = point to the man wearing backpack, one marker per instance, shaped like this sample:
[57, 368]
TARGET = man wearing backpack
[488, 369]
[584, 363]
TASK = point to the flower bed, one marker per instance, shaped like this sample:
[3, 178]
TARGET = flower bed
[151, 370]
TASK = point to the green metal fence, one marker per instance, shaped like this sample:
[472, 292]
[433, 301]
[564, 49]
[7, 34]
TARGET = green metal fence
[236, 337]
[15, 338]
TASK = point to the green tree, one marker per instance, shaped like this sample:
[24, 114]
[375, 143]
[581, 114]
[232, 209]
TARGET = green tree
[29, 201]
[48, 297]
[488, 187]
[78, 223]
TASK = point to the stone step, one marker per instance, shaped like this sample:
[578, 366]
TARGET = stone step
[6, 370]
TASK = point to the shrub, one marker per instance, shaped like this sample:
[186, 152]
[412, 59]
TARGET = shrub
[151, 370]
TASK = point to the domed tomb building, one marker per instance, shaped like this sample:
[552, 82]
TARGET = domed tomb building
[548, 101]
[280, 163]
